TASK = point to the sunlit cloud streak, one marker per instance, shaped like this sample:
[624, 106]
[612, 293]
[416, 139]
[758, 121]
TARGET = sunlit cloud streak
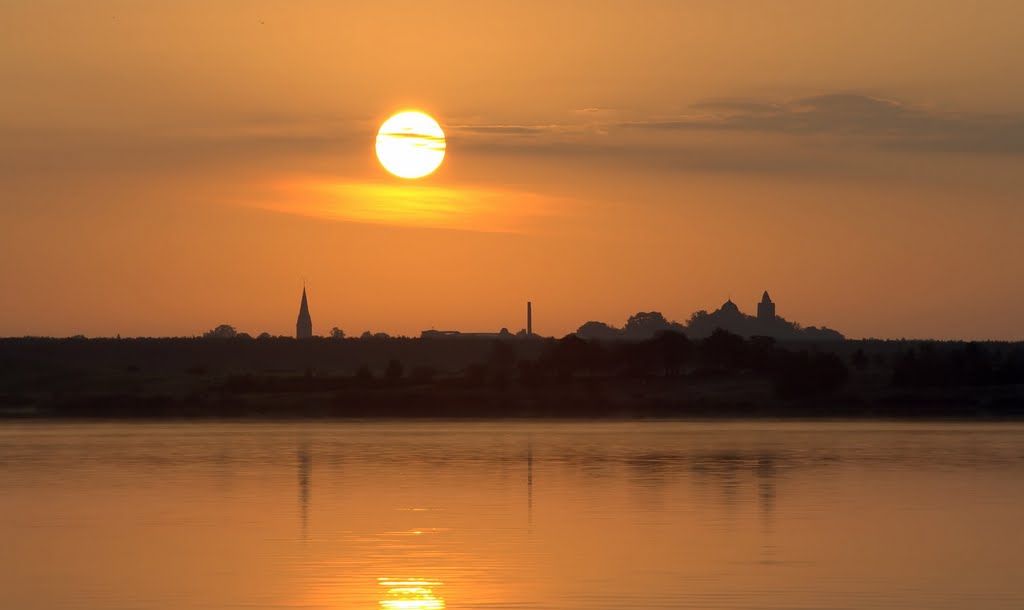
[466, 208]
[880, 122]
[718, 135]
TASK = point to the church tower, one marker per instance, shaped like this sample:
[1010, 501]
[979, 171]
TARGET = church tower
[304, 326]
[766, 309]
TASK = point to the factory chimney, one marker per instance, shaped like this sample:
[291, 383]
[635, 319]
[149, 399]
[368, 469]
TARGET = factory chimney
[529, 319]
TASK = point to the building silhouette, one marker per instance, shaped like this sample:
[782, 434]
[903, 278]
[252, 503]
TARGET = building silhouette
[766, 309]
[458, 334]
[304, 325]
[502, 334]
[765, 324]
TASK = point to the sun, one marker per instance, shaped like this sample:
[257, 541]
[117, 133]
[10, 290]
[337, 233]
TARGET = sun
[410, 144]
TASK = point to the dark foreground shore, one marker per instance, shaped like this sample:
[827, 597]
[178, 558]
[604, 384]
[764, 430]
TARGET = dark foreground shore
[669, 376]
[299, 397]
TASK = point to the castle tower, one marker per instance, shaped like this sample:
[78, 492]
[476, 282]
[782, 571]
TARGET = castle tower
[304, 325]
[766, 309]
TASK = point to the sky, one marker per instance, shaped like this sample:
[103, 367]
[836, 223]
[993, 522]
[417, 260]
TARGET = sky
[166, 167]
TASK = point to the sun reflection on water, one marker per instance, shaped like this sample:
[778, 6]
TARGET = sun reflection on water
[410, 594]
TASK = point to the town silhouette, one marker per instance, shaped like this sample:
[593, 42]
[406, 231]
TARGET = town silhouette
[722, 363]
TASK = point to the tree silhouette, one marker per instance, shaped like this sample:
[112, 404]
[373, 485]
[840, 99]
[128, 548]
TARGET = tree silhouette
[224, 331]
[394, 370]
[598, 330]
[363, 374]
[570, 355]
[724, 349]
[805, 375]
[674, 349]
[502, 357]
[645, 324]
[859, 359]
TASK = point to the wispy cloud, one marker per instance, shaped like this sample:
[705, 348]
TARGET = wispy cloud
[578, 122]
[815, 134]
[885, 122]
[465, 208]
[505, 129]
[875, 121]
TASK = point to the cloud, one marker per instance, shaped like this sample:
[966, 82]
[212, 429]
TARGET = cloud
[813, 133]
[575, 124]
[596, 113]
[504, 129]
[884, 122]
[822, 134]
[464, 208]
[416, 137]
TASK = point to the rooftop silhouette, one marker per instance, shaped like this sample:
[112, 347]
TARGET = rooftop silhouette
[644, 325]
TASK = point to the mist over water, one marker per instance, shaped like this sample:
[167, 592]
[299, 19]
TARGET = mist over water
[415, 516]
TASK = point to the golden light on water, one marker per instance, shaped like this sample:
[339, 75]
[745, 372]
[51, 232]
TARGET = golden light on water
[410, 144]
[411, 594]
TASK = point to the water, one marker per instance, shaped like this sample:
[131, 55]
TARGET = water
[511, 516]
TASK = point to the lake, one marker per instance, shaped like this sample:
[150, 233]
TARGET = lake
[538, 515]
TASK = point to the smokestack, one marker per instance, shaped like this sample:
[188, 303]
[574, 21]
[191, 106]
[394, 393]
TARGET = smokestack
[529, 318]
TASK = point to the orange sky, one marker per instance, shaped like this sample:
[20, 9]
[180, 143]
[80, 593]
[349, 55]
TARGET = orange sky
[167, 167]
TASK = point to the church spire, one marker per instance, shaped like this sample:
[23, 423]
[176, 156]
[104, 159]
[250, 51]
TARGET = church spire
[304, 325]
[766, 309]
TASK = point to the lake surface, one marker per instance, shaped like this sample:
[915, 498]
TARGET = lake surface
[418, 516]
